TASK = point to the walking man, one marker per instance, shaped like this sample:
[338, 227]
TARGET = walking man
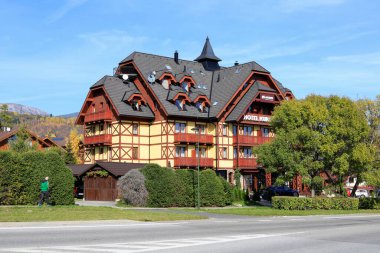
[44, 187]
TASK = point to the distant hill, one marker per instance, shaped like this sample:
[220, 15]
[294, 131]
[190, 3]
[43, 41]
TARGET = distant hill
[70, 115]
[24, 109]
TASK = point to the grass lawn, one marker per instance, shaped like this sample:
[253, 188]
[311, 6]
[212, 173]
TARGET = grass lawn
[83, 213]
[268, 211]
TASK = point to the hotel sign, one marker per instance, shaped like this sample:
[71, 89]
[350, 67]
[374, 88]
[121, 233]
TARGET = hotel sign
[256, 117]
[267, 97]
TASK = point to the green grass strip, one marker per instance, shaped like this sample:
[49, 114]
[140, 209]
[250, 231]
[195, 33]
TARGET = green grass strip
[85, 213]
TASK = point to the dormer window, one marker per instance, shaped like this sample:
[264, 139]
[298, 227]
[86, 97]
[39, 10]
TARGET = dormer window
[180, 103]
[185, 86]
[202, 103]
[136, 105]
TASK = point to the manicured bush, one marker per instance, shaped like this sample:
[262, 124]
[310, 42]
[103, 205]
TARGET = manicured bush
[292, 203]
[163, 188]
[188, 181]
[22, 173]
[369, 203]
[132, 188]
[211, 189]
[228, 196]
[168, 188]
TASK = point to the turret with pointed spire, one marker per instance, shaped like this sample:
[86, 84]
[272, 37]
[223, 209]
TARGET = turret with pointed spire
[208, 59]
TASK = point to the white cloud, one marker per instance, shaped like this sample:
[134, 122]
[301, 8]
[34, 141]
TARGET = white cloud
[300, 5]
[67, 7]
[115, 39]
[362, 59]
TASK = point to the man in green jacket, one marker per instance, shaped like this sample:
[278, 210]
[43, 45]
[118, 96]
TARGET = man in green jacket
[44, 187]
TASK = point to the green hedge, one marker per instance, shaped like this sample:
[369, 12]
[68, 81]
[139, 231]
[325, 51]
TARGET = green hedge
[369, 203]
[179, 188]
[21, 174]
[292, 203]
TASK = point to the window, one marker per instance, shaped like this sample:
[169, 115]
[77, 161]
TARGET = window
[235, 153]
[180, 104]
[224, 153]
[135, 153]
[93, 108]
[101, 128]
[203, 152]
[101, 105]
[265, 132]
[180, 127]
[136, 105]
[234, 130]
[202, 128]
[246, 152]
[135, 129]
[224, 130]
[247, 130]
[180, 151]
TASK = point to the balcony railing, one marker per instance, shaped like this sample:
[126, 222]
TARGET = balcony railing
[245, 163]
[193, 138]
[104, 139]
[97, 116]
[250, 140]
[193, 162]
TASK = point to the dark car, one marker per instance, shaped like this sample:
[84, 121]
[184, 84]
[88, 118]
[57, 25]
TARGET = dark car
[78, 192]
[271, 191]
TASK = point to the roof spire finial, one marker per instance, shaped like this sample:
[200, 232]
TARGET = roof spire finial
[207, 57]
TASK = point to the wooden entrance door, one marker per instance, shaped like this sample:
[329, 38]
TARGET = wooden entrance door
[100, 188]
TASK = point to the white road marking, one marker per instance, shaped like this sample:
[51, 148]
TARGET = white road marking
[89, 226]
[145, 246]
[265, 220]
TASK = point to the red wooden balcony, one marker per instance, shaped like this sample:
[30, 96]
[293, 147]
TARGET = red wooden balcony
[97, 116]
[193, 162]
[250, 140]
[245, 163]
[103, 139]
[193, 138]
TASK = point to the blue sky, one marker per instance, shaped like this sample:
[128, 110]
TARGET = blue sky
[52, 51]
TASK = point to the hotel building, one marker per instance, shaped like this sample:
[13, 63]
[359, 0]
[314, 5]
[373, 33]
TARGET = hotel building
[157, 109]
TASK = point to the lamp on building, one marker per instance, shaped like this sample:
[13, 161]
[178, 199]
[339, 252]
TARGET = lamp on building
[197, 130]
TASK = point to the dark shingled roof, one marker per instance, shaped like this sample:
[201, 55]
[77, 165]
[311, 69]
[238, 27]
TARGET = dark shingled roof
[117, 89]
[116, 169]
[218, 85]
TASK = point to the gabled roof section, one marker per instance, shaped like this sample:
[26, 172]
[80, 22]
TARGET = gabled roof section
[115, 168]
[14, 131]
[244, 102]
[207, 53]
[116, 90]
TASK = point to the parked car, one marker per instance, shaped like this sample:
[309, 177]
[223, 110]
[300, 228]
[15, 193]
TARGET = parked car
[78, 192]
[378, 193]
[271, 191]
[361, 193]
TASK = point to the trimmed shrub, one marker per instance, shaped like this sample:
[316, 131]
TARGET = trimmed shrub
[164, 190]
[292, 203]
[211, 189]
[132, 188]
[188, 182]
[228, 196]
[369, 203]
[168, 187]
[22, 173]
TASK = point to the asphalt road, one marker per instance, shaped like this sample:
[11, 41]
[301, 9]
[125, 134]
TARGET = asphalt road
[353, 233]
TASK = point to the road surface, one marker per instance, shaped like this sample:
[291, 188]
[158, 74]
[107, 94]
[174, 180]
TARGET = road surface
[353, 233]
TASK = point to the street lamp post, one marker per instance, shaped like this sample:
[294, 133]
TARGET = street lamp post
[196, 129]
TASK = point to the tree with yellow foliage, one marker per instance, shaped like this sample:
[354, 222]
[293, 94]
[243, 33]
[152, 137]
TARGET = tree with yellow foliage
[74, 141]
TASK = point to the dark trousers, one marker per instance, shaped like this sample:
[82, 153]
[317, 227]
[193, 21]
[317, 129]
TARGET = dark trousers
[44, 196]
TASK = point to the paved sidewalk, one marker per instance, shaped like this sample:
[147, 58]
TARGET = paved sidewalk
[95, 203]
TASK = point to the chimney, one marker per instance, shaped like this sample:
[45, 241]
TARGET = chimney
[176, 57]
[236, 63]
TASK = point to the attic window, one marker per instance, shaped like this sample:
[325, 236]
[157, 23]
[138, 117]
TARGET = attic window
[180, 103]
[136, 105]
[201, 106]
[185, 86]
